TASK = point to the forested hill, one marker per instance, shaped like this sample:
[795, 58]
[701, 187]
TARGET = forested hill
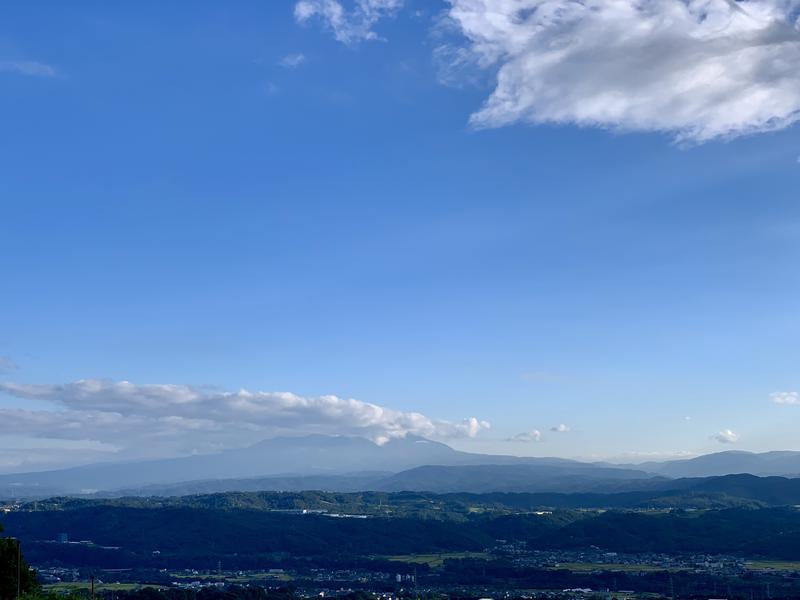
[738, 514]
[126, 537]
[699, 493]
[350, 464]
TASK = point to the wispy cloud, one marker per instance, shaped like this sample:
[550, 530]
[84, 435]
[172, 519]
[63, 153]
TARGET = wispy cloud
[534, 435]
[785, 397]
[30, 68]
[183, 418]
[19, 454]
[726, 436]
[560, 428]
[292, 61]
[7, 364]
[349, 22]
[270, 88]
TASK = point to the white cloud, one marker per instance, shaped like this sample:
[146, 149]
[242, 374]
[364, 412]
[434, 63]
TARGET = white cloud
[698, 69]
[38, 459]
[785, 397]
[726, 436]
[560, 428]
[182, 418]
[534, 435]
[28, 67]
[292, 61]
[19, 453]
[351, 21]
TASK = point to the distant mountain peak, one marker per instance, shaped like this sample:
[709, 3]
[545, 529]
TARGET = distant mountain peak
[730, 462]
[336, 455]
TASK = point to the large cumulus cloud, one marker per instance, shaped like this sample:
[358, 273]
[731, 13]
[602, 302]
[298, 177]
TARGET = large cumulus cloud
[696, 69]
[700, 69]
[170, 418]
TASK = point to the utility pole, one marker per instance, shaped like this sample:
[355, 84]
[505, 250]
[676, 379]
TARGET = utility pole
[19, 567]
[91, 579]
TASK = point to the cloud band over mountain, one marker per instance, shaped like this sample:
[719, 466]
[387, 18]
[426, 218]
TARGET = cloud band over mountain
[183, 418]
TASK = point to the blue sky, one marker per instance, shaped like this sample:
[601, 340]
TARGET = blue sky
[228, 198]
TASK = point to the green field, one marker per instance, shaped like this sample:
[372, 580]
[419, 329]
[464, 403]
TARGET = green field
[246, 578]
[436, 560]
[774, 565]
[630, 568]
[66, 587]
[259, 578]
[533, 592]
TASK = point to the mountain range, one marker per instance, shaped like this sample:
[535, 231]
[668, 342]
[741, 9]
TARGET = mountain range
[340, 463]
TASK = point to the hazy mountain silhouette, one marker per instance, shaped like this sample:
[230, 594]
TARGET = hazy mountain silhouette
[782, 463]
[340, 463]
[299, 456]
[538, 477]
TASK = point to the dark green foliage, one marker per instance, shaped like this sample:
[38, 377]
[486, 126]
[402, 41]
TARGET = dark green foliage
[15, 573]
[730, 491]
[150, 593]
[200, 532]
[766, 532]
[209, 593]
[249, 531]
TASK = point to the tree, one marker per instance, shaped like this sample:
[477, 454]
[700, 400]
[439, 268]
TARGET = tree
[15, 573]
